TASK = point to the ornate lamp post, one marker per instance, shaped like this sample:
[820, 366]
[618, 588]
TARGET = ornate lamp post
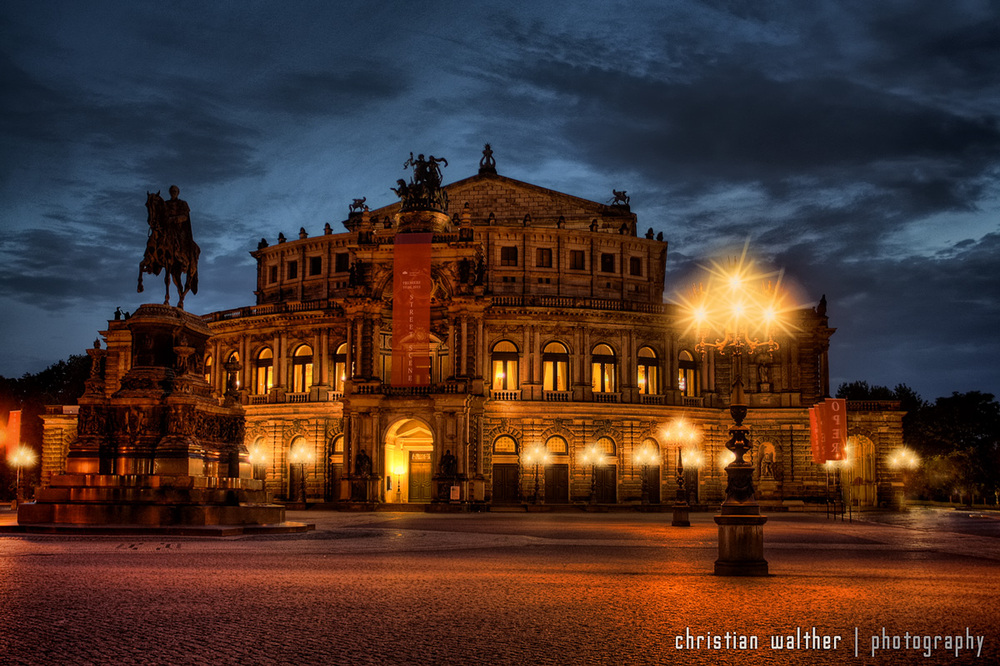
[22, 457]
[646, 456]
[683, 434]
[298, 457]
[537, 456]
[734, 313]
[593, 457]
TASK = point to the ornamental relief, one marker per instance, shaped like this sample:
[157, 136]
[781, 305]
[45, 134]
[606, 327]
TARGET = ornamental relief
[297, 427]
[503, 428]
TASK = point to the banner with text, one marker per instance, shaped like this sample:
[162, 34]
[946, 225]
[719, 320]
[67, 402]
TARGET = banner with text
[828, 430]
[12, 434]
[411, 310]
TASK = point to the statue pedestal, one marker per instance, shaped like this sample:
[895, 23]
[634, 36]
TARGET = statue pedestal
[157, 449]
[741, 546]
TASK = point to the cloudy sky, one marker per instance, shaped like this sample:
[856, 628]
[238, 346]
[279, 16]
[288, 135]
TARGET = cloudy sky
[856, 144]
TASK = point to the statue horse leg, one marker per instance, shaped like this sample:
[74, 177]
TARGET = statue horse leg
[181, 291]
[166, 284]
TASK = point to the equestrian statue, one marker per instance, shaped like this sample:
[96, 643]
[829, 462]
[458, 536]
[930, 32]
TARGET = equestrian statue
[170, 246]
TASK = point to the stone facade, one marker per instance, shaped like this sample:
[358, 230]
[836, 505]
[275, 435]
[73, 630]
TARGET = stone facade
[549, 331]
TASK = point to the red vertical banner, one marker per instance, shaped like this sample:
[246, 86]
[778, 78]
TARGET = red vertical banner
[815, 435]
[411, 309]
[834, 424]
[12, 434]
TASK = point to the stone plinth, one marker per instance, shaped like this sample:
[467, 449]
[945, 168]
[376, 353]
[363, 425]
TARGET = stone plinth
[741, 545]
[430, 221]
[155, 448]
[138, 499]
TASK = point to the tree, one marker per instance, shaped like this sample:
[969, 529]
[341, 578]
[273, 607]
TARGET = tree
[59, 384]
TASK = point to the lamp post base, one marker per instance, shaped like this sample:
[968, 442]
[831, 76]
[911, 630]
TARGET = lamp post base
[681, 516]
[741, 546]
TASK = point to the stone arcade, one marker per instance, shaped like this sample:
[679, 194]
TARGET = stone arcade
[548, 333]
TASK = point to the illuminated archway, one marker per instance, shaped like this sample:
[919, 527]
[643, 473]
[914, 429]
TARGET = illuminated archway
[409, 462]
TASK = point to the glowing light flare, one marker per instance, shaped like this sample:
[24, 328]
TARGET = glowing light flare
[646, 456]
[536, 456]
[904, 459]
[726, 458]
[692, 458]
[300, 455]
[257, 456]
[22, 457]
[737, 305]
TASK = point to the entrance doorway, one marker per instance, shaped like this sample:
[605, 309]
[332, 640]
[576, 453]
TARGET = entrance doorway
[505, 477]
[420, 477]
[557, 484]
[606, 487]
[653, 483]
[409, 463]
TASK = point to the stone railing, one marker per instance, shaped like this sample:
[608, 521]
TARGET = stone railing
[651, 399]
[873, 405]
[272, 308]
[506, 395]
[520, 301]
[607, 397]
[556, 396]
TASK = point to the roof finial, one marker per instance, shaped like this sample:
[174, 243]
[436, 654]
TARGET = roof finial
[487, 165]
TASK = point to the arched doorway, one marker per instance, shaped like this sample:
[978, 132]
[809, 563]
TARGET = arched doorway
[860, 487]
[409, 453]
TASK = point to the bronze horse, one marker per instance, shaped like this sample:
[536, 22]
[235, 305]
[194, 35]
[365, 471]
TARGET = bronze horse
[170, 246]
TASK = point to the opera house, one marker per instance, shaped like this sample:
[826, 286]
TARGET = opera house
[492, 342]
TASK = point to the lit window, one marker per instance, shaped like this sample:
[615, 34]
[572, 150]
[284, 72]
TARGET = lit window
[208, 368]
[556, 445]
[504, 359]
[302, 369]
[604, 370]
[340, 368]
[555, 367]
[606, 445]
[687, 374]
[648, 380]
[263, 378]
[504, 445]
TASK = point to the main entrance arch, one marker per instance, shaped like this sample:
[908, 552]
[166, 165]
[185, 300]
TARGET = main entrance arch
[409, 462]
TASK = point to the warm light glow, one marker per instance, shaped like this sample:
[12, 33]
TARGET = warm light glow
[738, 308]
[256, 456]
[647, 456]
[300, 454]
[22, 457]
[903, 459]
[692, 458]
[726, 458]
[399, 470]
[536, 456]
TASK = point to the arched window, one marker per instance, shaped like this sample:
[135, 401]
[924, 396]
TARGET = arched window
[556, 445]
[604, 375]
[233, 376]
[263, 376]
[555, 367]
[648, 368]
[504, 358]
[340, 368]
[208, 368]
[504, 445]
[687, 374]
[606, 445]
[302, 369]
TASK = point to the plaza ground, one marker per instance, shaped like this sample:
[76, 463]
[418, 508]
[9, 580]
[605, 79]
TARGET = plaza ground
[510, 588]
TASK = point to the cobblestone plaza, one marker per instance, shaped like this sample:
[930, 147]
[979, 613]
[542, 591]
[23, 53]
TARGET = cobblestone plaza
[558, 588]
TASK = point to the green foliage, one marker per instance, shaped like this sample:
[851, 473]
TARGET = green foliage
[957, 438]
[59, 384]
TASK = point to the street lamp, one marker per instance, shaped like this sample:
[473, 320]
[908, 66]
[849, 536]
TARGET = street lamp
[22, 457]
[646, 456]
[593, 457]
[258, 463]
[684, 435]
[298, 457]
[537, 456]
[736, 312]
[904, 460]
